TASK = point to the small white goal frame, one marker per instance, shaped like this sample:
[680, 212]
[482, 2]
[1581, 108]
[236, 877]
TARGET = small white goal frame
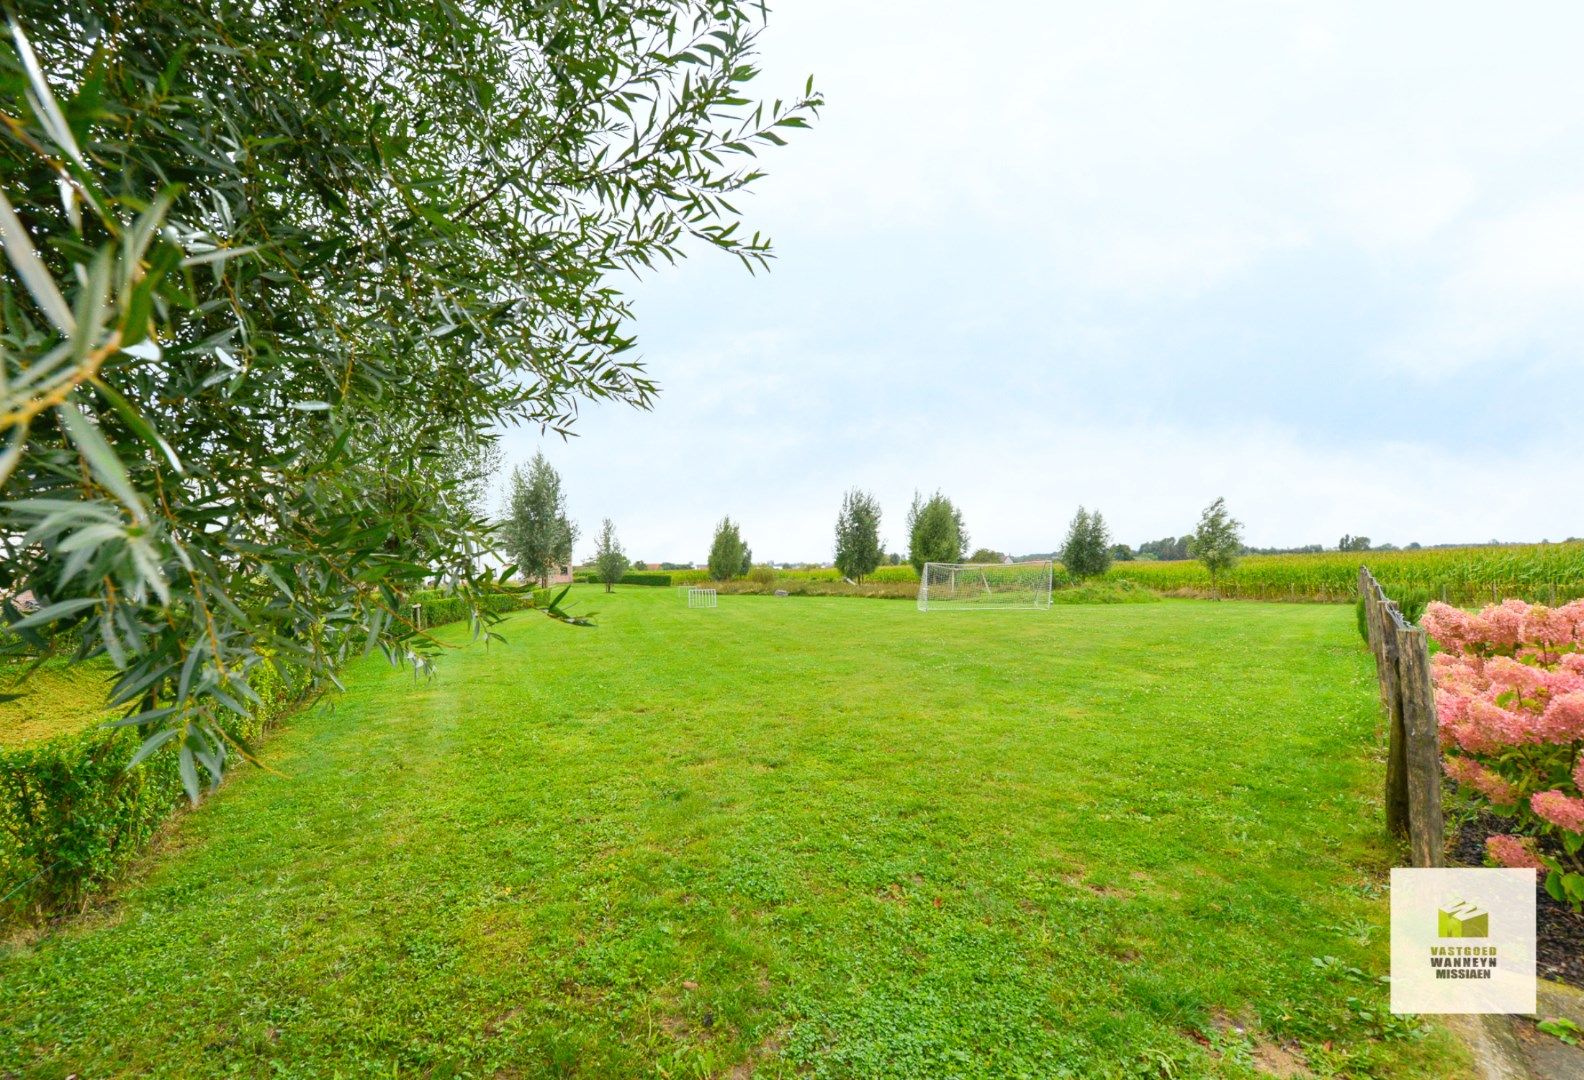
[701, 598]
[986, 586]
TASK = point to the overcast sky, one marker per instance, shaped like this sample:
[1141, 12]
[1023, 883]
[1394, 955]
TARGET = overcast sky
[1325, 260]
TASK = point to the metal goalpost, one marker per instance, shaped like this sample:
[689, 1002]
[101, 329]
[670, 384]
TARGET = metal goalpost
[947, 586]
[701, 598]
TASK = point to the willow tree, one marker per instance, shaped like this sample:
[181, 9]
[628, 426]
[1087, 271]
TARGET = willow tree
[269, 265]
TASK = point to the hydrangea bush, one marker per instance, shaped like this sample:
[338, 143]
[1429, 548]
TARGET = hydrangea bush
[1509, 688]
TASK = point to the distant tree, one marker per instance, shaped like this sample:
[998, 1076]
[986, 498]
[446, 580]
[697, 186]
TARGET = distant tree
[989, 555]
[728, 553]
[747, 562]
[609, 561]
[1165, 549]
[858, 535]
[1353, 543]
[893, 559]
[935, 531]
[1217, 541]
[1122, 553]
[1414, 546]
[1087, 550]
[537, 534]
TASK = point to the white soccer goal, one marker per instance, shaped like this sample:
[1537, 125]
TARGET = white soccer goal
[701, 598]
[974, 586]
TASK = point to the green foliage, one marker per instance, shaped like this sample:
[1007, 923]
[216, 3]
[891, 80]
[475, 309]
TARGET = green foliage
[1563, 1029]
[762, 575]
[1412, 603]
[667, 813]
[1104, 592]
[986, 555]
[1086, 552]
[901, 573]
[559, 609]
[536, 534]
[729, 557]
[438, 608]
[1550, 574]
[1217, 541]
[858, 535]
[872, 588]
[73, 811]
[1167, 549]
[609, 558]
[935, 531]
[270, 268]
[631, 577]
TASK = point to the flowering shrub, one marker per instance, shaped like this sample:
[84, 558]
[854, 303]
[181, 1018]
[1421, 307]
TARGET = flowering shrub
[1509, 688]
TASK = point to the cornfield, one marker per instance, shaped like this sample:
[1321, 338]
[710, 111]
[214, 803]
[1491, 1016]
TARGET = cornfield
[1539, 573]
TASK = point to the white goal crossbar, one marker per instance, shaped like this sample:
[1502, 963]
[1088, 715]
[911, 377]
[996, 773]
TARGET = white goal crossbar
[701, 598]
[985, 586]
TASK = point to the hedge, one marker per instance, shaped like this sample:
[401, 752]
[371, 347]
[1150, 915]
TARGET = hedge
[72, 813]
[631, 577]
[882, 574]
[440, 608]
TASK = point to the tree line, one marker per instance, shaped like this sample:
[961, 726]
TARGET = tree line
[537, 536]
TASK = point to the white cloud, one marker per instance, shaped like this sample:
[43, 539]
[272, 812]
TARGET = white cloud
[1512, 288]
[1133, 255]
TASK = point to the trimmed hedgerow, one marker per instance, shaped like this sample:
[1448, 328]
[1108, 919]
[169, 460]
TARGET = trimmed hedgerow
[440, 608]
[72, 812]
[645, 577]
[631, 577]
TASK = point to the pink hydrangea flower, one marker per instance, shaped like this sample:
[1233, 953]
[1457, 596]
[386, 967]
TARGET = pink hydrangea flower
[1559, 809]
[1527, 680]
[1513, 852]
[1471, 773]
[1502, 625]
[1563, 719]
[1578, 772]
[1450, 626]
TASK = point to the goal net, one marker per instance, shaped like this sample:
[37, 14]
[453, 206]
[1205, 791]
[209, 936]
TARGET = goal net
[965, 586]
[701, 598]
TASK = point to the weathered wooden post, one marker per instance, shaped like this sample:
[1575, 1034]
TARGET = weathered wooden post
[1399, 811]
[1426, 827]
[1385, 625]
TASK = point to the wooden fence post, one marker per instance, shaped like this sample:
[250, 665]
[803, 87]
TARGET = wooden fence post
[1426, 827]
[1399, 808]
[1390, 639]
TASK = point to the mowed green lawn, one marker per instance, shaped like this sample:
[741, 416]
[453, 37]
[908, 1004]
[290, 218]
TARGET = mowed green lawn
[784, 837]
